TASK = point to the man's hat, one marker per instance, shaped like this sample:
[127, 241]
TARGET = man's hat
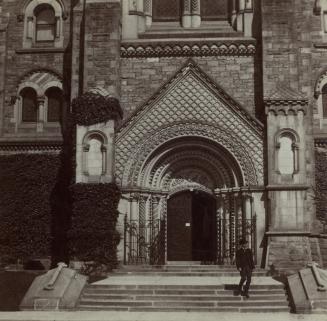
[243, 241]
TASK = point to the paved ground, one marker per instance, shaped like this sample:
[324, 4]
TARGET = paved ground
[181, 280]
[156, 316]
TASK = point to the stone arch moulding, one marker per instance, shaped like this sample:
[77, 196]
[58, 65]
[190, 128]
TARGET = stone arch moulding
[189, 160]
[189, 104]
[295, 139]
[251, 173]
[102, 138]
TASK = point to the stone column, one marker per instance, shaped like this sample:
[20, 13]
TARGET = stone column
[196, 13]
[186, 17]
[248, 18]
[40, 113]
[148, 13]
[240, 15]
[142, 228]
[219, 216]
[234, 14]
[133, 214]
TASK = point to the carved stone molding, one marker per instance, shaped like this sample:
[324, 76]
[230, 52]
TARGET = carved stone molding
[190, 105]
[320, 142]
[286, 100]
[23, 147]
[187, 49]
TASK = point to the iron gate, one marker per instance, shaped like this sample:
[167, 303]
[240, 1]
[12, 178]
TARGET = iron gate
[144, 243]
[230, 232]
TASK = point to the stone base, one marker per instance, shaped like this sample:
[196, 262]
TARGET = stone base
[288, 252]
[58, 289]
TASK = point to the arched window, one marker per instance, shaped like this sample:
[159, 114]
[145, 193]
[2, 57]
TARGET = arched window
[29, 105]
[171, 10]
[45, 24]
[324, 101]
[167, 10]
[214, 9]
[287, 153]
[54, 104]
[95, 156]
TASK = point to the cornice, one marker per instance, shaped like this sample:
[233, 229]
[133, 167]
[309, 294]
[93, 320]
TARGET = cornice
[320, 142]
[188, 48]
[49, 146]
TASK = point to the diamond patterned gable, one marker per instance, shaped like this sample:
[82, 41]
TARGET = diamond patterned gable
[190, 104]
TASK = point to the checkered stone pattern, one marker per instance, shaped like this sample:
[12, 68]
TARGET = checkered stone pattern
[189, 107]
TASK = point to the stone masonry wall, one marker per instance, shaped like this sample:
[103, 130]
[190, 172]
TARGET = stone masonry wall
[142, 77]
[20, 62]
[102, 47]
[289, 252]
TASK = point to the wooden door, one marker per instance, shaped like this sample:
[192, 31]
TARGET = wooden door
[179, 227]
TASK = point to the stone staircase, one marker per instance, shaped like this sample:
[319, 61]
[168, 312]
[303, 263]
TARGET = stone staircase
[197, 288]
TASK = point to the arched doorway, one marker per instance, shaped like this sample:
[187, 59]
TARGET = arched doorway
[191, 227]
[192, 204]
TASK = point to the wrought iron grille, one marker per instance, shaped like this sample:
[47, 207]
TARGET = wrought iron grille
[144, 242]
[230, 231]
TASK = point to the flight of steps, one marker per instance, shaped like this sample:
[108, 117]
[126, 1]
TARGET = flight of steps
[182, 288]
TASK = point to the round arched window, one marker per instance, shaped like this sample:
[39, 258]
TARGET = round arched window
[29, 105]
[55, 102]
[45, 23]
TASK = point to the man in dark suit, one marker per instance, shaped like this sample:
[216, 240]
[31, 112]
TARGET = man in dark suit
[245, 264]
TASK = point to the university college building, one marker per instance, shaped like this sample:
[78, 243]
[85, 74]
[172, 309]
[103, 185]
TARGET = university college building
[224, 133]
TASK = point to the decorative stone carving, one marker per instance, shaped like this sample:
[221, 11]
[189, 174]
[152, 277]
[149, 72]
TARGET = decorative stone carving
[287, 101]
[187, 48]
[190, 106]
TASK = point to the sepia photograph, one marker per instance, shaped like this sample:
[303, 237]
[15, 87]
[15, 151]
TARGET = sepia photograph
[163, 160]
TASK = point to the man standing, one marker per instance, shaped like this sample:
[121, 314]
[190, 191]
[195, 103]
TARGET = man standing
[245, 264]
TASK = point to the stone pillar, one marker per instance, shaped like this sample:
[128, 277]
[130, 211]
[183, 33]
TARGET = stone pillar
[290, 214]
[196, 13]
[40, 114]
[234, 15]
[248, 18]
[240, 15]
[148, 12]
[105, 57]
[133, 213]
[186, 16]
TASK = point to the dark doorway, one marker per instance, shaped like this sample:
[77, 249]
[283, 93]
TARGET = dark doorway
[191, 227]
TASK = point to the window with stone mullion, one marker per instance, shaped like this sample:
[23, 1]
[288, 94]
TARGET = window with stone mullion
[214, 9]
[167, 10]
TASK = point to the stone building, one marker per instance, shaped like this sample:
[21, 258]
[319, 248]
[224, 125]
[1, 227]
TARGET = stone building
[225, 117]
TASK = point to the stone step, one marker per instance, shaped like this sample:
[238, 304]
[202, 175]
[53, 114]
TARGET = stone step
[213, 303]
[115, 292]
[181, 265]
[320, 304]
[219, 297]
[190, 273]
[182, 287]
[261, 309]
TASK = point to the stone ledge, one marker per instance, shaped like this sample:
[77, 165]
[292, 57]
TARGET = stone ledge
[287, 233]
[40, 50]
[190, 47]
[287, 187]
